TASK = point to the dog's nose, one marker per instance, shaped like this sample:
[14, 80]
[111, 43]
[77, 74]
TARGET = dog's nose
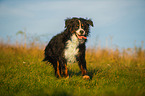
[82, 32]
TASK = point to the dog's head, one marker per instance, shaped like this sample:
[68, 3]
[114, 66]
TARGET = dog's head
[79, 27]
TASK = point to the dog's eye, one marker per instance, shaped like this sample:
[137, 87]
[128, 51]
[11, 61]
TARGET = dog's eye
[82, 26]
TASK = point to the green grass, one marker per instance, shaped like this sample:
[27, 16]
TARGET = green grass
[23, 74]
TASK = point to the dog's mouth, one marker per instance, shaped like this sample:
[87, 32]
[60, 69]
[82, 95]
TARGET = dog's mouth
[81, 37]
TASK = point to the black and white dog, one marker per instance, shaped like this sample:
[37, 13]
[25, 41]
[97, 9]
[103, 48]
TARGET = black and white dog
[69, 46]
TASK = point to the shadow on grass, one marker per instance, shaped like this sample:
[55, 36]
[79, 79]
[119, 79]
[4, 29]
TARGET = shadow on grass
[91, 73]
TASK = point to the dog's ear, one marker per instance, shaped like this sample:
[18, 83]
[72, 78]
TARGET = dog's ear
[69, 22]
[90, 22]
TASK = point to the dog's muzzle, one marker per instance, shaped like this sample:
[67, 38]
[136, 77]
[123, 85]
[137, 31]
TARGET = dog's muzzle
[81, 34]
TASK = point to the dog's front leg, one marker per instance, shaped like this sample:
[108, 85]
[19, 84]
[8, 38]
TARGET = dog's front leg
[64, 70]
[82, 65]
[58, 70]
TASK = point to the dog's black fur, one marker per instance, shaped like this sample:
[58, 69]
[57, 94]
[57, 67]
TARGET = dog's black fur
[55, 50]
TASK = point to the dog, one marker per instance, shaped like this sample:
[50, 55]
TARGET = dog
[69, 46]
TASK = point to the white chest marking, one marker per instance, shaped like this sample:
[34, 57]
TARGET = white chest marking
[71, 49]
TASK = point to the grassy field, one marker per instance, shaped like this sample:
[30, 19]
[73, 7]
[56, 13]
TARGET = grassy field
[113, 73]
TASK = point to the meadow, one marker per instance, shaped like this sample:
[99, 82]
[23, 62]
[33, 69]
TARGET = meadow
[113, 73]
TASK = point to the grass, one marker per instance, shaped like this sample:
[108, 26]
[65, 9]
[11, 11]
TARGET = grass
[113, 73]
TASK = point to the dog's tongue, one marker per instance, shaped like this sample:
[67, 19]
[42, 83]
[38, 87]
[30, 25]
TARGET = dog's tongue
[80, 37]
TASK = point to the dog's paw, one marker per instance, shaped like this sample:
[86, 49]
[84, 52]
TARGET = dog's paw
[86, 77]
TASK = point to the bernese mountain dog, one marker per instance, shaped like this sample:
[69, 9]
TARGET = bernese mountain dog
[69, 46]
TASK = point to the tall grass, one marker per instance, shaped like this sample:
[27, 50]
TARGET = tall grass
[113, 73]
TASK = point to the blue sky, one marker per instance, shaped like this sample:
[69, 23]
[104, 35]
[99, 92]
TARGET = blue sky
[121, 20]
